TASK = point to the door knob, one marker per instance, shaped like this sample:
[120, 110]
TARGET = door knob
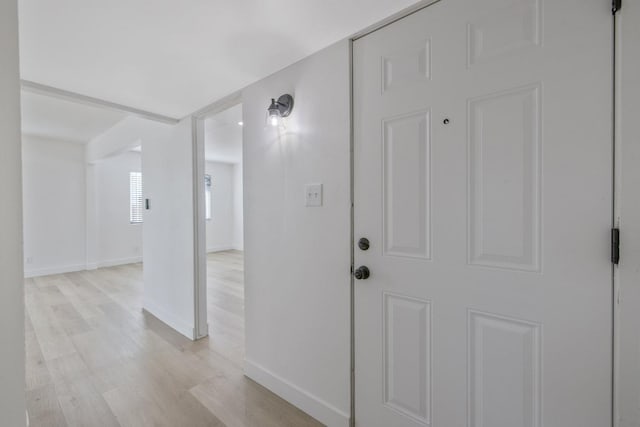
[363, 243]
[361, 273]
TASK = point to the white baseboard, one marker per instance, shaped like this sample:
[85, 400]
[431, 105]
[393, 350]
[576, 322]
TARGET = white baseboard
[219, 249]
[165, 316]
[37, 272]
[48, 271]
[119, 261]
[317, 408]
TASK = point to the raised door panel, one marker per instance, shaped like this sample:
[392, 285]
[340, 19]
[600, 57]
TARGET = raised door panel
[504, 179]
[407, 357]
[504, 371]
[406, 186]
[406, 67]
[504, 28]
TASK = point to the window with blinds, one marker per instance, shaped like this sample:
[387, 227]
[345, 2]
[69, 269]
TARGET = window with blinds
[135, 197]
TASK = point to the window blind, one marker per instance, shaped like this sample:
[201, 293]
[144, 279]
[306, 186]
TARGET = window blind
[135, 197]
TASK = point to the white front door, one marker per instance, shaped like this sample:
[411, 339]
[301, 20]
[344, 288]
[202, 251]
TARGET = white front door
[483, 176]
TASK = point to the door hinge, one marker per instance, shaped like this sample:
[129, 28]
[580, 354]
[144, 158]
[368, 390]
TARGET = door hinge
[615, 245]
[616, 5]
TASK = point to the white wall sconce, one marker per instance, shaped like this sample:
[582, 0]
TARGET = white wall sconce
[279, 109]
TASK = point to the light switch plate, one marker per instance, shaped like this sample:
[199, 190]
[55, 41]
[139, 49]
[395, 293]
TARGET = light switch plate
[313, 195]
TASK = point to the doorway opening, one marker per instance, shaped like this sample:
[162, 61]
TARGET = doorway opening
[221, 302]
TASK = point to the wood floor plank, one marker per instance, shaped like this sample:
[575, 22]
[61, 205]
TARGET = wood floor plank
[69, 367]
[43, 407]
[37, 373]
[53, 340]
[69, 318]
[82, 405]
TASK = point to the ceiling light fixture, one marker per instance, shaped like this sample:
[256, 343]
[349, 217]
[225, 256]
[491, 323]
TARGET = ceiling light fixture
[279, 109]
[240, 123]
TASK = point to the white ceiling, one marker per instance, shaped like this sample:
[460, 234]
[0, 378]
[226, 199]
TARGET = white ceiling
[223, 136]
[55, 118]
[173, 57]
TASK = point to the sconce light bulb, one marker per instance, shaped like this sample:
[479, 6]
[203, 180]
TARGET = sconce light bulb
[278, 110]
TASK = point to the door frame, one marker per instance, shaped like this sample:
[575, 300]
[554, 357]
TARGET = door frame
[615, 143]
[199, 221]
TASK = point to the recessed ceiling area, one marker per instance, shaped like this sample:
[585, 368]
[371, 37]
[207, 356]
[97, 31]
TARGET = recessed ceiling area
[171, 57]
[223, 136]
[59, 119]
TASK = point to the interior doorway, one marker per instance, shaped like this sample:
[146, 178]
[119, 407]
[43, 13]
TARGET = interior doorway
[220, 302]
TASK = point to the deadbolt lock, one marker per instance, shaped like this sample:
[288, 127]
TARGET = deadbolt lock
[363, 243]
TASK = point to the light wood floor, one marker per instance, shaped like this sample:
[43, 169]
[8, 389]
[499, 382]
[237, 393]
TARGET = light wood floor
[95, 359]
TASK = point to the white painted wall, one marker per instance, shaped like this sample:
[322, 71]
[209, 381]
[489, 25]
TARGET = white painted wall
[119, 241]
[220, 227]
[124, 136]
[297, 277]
[238, 218]
[54, 192]
[168, 229]
[223, 136]
[628, 210]
[76, 216]
[12, 401]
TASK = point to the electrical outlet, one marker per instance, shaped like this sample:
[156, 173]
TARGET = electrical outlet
[313, 195]
[29, 260]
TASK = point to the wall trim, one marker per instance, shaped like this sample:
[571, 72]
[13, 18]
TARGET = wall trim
[393, 18]
[92, 266]
[118, 261]
[218, 106]
[48, 271]
[199, 229]
[55, 92]
[307, 402]
[199, 226]
[169, 319]
[220, 248]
